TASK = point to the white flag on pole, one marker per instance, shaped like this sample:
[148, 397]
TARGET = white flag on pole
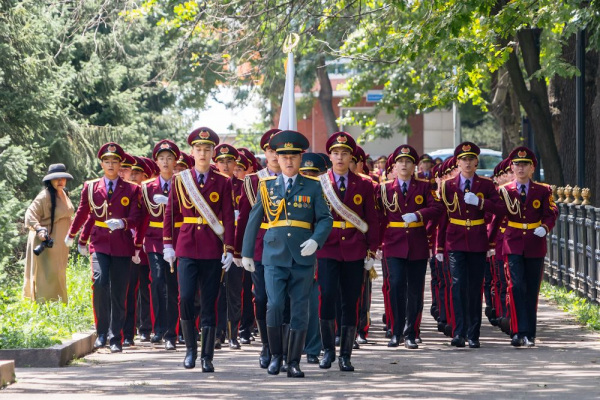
[287, 117]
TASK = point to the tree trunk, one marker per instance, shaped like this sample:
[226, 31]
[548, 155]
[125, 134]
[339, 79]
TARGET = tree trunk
[505, 108]
[326, 98]
[536, 104]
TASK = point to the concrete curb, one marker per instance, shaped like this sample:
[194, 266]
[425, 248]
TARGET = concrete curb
[52, 357]
[7, 372]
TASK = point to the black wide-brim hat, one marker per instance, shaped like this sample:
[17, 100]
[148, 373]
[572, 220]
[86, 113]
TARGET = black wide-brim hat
[57, 171]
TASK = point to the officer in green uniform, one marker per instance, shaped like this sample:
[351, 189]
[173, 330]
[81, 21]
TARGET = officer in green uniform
[299, 222]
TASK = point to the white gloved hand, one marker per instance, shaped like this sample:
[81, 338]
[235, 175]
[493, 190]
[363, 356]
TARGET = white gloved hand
[160, 199]
[410, 217]
[308, 248]
[237, 262]
[227, 260]
[169, 255]
[379, 255]
[83, 250]
[440, 257]
[248, 264]
[68, 241]
[136, 259]
[540, 231]
[115, 224]
[472, 199]
[369, 263]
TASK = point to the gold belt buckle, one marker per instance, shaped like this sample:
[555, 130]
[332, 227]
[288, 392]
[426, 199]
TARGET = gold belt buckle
[468, 222]
[289, 223]
[525, 226]
[200, 219]
[343, 224]
[405, 224]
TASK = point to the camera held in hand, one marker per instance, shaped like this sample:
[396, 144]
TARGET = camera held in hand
[48, 242]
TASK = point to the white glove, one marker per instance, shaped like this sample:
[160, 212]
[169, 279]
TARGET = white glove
[540, 231]
[472, 199]
[160, 199]
[410, 217]
[83, 250]
[379, 255]
[136, 259]
[169, 255]
[440, 257]
[237, 262]
[491, 253]
[68, 241]
[115, 224]
[369, 263]
[248, 264]
[227, 260]
[308, 248]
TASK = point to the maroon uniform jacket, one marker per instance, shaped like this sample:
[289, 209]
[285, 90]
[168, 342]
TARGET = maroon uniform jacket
[466, 229]
[350, 244]
[124, 204]
[408, 242]
[539, 210]
[198, 241]
[251, 183]
[431, 179]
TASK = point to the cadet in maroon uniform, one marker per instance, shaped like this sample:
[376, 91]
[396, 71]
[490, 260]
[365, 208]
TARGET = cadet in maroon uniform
[163, 286]
[114, 206]
[202, 197]
[247, 201]
[425, 168]
[341, 261]
[467, 198]
[408, 205]
[531, 215]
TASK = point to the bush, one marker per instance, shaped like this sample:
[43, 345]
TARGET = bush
[27, 324]
[586, 312]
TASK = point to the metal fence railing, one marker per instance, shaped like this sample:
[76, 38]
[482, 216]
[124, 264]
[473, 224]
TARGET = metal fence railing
[573, 258]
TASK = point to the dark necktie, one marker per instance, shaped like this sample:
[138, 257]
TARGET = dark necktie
[289, 185]
[404, 189]
[342, 187]
[166, 189]
[201, 180]
[467, 186]
[523, 194]
[110, 189]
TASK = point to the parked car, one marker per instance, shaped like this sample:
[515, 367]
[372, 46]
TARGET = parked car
[488, 159]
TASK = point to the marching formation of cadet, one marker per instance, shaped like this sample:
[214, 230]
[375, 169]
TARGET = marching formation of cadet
[215, 242]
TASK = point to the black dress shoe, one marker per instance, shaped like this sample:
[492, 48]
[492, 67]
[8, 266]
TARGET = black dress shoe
[411, 344]
[394, 341]
[275, 365]
[312, 359]
[458, 341]
[418, 340]
[441, 326]
[517, 341]
[100, 341]
[144, 337]
[217, 344]
[116, 348]
[494, 321]
[474, 344]
[448, 330]
[180, 339]
[244, 340]
[356, 346]
[128, 342]
[207, 365]
[156, 339]
[361, 339]
[388, 334]
[337, 341]
[528, 342]
[170, 344]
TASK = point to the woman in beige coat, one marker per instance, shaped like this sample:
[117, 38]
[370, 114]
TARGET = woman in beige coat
[49, 216]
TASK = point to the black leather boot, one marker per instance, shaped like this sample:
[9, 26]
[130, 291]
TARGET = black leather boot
[233, 336]
[328, 339]
[188, 330]
[265, 354]
[207, 349]
[276, 349]
[285, 337]
[346, 342]
[297, 341]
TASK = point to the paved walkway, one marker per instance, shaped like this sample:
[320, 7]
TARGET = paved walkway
[565, 364]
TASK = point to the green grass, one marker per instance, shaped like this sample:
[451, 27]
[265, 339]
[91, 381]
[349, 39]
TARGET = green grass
[586, 312]
[27, 324]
